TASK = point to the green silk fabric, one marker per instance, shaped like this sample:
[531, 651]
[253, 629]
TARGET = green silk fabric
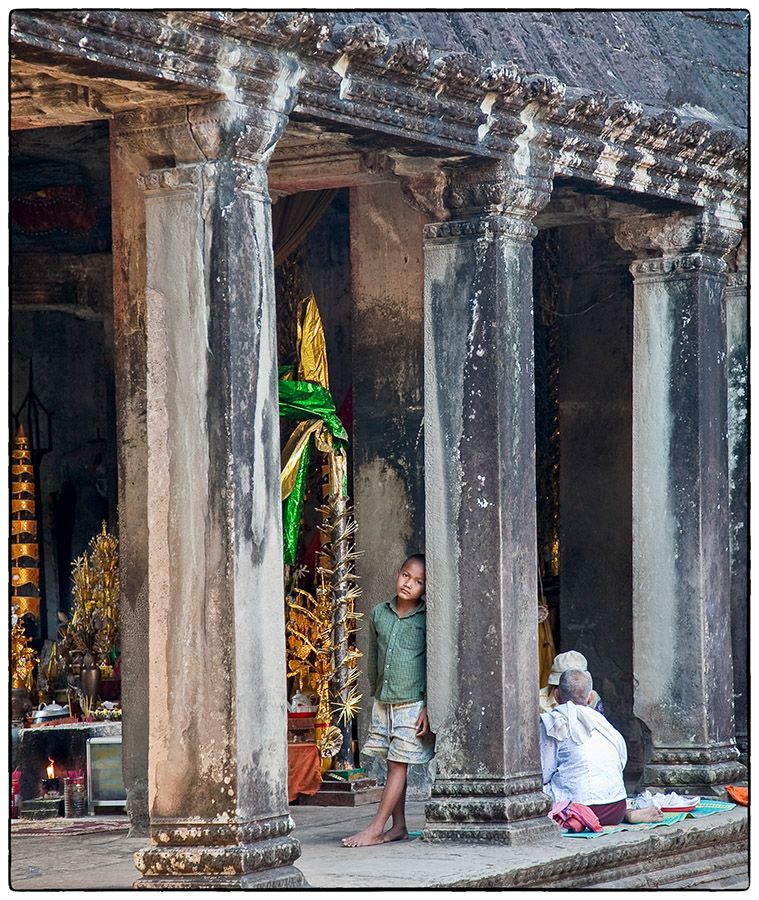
[304, 400]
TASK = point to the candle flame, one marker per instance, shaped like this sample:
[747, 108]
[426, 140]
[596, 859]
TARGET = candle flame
[51, 769]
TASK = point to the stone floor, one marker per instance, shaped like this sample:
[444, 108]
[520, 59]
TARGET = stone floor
[97, 854]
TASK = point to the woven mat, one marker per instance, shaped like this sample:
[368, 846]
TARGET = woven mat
[706, 807]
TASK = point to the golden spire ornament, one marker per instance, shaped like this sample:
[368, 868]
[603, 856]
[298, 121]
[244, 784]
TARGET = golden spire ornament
[24, 549]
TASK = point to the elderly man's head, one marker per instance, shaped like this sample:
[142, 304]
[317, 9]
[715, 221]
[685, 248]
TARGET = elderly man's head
[575, 685]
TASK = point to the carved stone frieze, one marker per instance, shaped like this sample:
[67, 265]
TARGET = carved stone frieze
[166, 180]
[547, 90]
[458, 73]
[588, 110]
[623, 114]
[382, 89]
[303, 29]
[508, 81]
[701, 850]
[409, 56]
[362, 42]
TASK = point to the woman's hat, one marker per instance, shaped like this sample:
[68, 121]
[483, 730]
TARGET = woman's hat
[572, 659]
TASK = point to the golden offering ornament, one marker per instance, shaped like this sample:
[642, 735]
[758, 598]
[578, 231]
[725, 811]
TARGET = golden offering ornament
[90, 636]
[330, 742]
[321, 627]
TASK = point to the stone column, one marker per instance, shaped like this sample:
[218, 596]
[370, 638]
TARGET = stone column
[480, 515]
[736, 309]
[130, 363]
[218, 748]
[681, 579]
[387, 271]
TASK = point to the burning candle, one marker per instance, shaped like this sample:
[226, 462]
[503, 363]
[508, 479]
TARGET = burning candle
[51, 785]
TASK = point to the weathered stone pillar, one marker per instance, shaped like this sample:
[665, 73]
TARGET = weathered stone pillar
[480, 514]
[218, 758]
[132, 453]
[387, 269]
[681, 578]
[736, 309]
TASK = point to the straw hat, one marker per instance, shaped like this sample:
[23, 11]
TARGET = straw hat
[572, 659]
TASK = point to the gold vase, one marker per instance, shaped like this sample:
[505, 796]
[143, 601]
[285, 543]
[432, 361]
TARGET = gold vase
[90, 679]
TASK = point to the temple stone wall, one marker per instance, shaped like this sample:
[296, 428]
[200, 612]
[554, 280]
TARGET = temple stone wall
[61, 321]
[388, 462]
[595, 396]
[328, 274]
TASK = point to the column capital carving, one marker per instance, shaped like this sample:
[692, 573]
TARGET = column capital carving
[497, 188]
[200, 133]
[248, 178]
[737, 276]
[679, 234]
[471, 200]
[515, 227]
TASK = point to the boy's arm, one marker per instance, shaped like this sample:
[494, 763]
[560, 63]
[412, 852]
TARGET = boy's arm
[371, 653]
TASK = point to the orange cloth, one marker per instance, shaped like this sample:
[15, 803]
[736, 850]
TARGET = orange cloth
[304, 770]
[739, 794]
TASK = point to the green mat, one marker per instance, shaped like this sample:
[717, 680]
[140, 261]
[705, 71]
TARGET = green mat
[706, 807]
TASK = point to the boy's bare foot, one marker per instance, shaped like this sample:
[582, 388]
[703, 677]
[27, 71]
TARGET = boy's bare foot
[395, 834]
[365, 838]
[647, 814]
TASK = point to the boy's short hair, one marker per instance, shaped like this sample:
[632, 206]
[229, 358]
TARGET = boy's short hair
[415, 557]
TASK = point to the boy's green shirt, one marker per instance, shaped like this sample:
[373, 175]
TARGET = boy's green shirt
[397, 654]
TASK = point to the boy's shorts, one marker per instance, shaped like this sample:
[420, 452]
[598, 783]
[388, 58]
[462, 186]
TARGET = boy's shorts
[392, 734]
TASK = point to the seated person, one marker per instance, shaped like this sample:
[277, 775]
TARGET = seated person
[583, 755]
[549, 695]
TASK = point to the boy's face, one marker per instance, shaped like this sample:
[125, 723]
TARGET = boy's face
[409, 585]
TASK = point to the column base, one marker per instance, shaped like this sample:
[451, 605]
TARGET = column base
[282, 877]
[701, 770]
[741, 739]
[210, 856]
[492, 811]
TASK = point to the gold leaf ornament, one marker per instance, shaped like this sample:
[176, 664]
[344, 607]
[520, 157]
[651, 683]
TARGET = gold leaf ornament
[330, 741]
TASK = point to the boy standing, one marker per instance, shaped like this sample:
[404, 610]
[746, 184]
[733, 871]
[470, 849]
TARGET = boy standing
[397, 670]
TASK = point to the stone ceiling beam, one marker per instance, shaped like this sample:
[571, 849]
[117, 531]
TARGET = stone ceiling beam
[397, 92]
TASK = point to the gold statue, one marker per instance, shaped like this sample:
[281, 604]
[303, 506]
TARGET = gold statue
[23, 657]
